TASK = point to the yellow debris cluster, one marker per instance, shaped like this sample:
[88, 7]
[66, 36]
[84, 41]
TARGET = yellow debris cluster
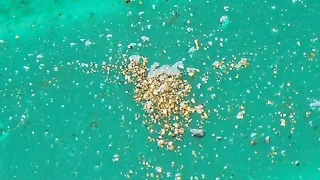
[164, 99]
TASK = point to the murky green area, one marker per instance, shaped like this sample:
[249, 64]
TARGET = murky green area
[63, 116]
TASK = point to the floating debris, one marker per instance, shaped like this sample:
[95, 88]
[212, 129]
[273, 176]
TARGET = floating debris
[240, 114]
[315, 105]
[192, 71]
[163, 94]
[224, 21]
[197, 132]
[267, 140]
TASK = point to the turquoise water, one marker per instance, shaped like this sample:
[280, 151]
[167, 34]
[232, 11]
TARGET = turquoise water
[63, 116]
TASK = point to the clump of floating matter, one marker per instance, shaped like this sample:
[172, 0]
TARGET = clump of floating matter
[163, 94]
[315, 105]
[197, 132]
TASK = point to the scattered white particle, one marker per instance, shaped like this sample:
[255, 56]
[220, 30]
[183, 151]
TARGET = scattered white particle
[1, 41]
[39, 56]
[158, 169]
[192, 49]
[144, 38]
[274, 30]
[72, 44]
[189, 29]
[115, 158]
[240, 115]
[88, 43]
[149, 26]
[226, 8]
[204, 79]
[109, 35]
[56, 69]
[84, 65]
[223, 19]
[315, 105]
[153, 6]
[131, 45]
[253, 135]
[27, 68]
[141, 13]
[198, 85]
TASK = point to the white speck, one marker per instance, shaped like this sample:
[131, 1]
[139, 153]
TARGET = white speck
[192, 49]
[116, 158]
[88, 43]
[315, 105]
[141, 13]
[198, 85]
[144, 38]
[39, 56]
[131, 45]
[72, 44]
[253, 135]
[109, 35]
[189, 29]
[240, 115]
[27, 68]
[226, 8]
[223, 19]
[197, 132]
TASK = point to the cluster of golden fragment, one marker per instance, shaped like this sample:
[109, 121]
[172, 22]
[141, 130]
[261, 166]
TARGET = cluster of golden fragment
[231, 66]
[164, 99]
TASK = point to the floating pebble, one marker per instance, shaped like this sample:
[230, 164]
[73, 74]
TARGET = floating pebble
[197, 132]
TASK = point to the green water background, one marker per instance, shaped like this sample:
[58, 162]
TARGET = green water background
[47, 126]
